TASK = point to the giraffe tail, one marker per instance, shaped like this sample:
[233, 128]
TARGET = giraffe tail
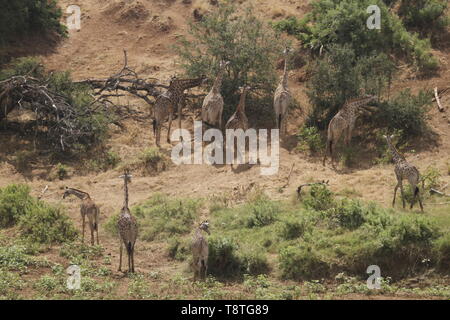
[328, 148]
[416, 191]
[129, 247]
[95, 226]
[279, 121]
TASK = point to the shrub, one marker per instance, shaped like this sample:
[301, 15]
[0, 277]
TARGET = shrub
[320, 198]
[46, 224]
[339, 76]
[223, 260]
[15, 201]
[349, 214]
[251, 47]
[61, 171]
[441, 249]
[300, 263]
[405, 112]
[19, 17]
[178, 249]
[294, 227]
[309, 138]
[153, 158]
[428, 17]
[263, 212]
[344, 23]
[254, 261]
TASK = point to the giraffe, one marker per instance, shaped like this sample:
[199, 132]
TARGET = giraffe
[167, 102]
[200, 251]
[344, 122]
[128, 228]
[239, 120]
[88, 208]
[282, 98]
[212, 107]
[404, 170]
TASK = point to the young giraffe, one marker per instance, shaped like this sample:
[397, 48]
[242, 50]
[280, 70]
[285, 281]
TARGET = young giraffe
[128, 229]
[282, 98]
[200, 251]
[239, 120]
[167, 102]
[344, 122]
[404, 170]
[88, 208]
[212, 107]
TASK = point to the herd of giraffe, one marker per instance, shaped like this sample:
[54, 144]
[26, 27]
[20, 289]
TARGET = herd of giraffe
[342, 124]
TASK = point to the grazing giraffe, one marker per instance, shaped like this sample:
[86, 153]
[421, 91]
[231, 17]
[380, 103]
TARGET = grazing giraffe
[344, 122]
[167, 102]
[239, 120]
[88, 208]
[282, 98]
[128, 228]
[404, 170]
[200, 251]
[212, 107]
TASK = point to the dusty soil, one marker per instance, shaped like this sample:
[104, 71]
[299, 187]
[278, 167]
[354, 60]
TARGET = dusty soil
[147, 29]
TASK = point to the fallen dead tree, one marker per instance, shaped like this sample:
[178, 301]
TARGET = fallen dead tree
[55, 114]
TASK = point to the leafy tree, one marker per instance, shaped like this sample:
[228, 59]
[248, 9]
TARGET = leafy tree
[248, 43]
[343, 22]
[19, 17]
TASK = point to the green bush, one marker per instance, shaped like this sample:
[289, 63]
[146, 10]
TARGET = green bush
[20, 17]
[441, 249]
[301, 262]
[263, 212]
[15, 201]
[251, 47]
[46, 224]
[254, 261]
[178, 249]
[343, 22]
[309, 138]
[223, 259]
[320, 198]
[339, 75]
[428, 17]
[405, 112]
[349, 214]
[294, 227]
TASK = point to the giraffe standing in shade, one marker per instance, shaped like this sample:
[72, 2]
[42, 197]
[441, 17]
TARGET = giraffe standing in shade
[404, 170]
[128, 228]
[212, 107]
[282, 98]
[239, 120]
[167, 102]
[88, 208]
[200, 251]
[344, 122]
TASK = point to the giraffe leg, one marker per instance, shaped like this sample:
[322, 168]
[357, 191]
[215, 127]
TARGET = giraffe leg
[132, 260]
[403, 195]
[179, 119]
[91, 227]
[170, 125]
[129, 261]
[83, 218]
[120, 259]
[395, 193]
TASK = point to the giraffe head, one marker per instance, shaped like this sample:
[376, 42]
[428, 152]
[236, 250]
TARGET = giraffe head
[244, 88]
[204, 226]
[126, 176]
[66, 192]
[223, 63]
[287, 50]
[389, 138]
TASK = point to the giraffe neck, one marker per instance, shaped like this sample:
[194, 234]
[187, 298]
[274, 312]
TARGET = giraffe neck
[78, 193]
[125, 188]
[183, 84]
[285, 73]
[218, 81]
[396, 156]
[241, 105]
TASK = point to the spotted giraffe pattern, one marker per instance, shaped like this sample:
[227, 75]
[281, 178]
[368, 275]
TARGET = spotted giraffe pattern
[343, 123]
[88, 208]
[128, 228]
[167, 102]
[282, 98]
[404, 170]
[200, 251]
